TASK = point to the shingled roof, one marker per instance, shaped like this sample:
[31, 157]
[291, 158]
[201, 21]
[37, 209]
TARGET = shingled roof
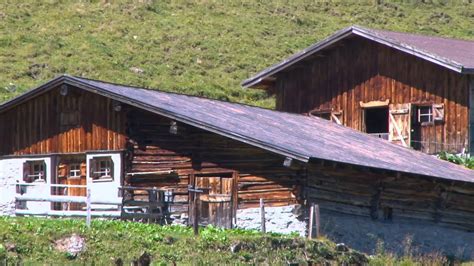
[454, 54]
[297, 136]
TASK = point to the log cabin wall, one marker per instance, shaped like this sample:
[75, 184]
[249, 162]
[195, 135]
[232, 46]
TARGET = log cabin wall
[153, 148]
[390, 197]
[52, 123]
[357, 69]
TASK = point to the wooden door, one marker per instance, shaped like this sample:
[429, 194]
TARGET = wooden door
[73, 174]
[215, 199]
[399, 123]
[74, 191]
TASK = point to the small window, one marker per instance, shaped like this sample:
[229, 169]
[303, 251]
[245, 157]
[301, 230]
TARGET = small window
[34, 171]
[424, 114]
[101, 168]
[324, 114]
[75, 170]
[104, 168]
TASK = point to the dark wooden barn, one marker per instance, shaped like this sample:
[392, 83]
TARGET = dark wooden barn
[78, 131]
[413, 90]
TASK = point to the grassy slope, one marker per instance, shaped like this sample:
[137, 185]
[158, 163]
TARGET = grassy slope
[32, 241]
[108, 241]
[204, 48]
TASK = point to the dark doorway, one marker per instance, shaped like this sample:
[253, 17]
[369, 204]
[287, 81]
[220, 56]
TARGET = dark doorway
[376, 120]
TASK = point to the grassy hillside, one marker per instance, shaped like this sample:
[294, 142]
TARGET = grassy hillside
[34, 241]
[205, 48]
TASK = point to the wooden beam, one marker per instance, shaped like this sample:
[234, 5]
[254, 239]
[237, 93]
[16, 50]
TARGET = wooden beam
[69, 213]
[471, 115]
[374, 104]
[66, 199]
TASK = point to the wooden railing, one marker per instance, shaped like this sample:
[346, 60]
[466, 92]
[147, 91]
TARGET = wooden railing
[137, 203]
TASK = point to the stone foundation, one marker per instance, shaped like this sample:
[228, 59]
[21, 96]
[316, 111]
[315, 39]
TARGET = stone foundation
[366, 235]
[397, 236]
[277, 219]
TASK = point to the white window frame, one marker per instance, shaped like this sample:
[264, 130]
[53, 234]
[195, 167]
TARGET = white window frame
[105, 169]
[40, 174]
[75, 170]
[106, 173]
[430, 114]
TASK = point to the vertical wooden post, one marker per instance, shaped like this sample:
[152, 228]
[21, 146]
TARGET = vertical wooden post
[471, 115]
[314, 221]
[310, 226]
[195, 214]
[262, 216]
[88, 208]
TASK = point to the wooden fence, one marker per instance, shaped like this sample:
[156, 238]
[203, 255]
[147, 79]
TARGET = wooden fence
[150, 205]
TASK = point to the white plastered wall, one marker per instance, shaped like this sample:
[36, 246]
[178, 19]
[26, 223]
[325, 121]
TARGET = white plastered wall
[11, 173]
[105, 190]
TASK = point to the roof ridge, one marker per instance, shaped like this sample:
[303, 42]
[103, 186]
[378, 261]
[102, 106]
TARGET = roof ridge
[378, 35]
[182, 94]
[413, 34]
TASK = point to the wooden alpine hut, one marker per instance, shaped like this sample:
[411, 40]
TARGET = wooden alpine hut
[194, 158]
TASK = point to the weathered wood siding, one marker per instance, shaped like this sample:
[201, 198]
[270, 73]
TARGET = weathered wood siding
[471, 115]
[51, 123]
[365, 193]
[360, 70]
[152, 148]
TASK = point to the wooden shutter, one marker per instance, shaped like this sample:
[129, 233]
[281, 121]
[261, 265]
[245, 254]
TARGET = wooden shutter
[438, 112]
[83, 169]
[111, 167]
[63, 170]
[45, 171]
[93, 168]
[27, 172]
[336, 117]
[399, 124]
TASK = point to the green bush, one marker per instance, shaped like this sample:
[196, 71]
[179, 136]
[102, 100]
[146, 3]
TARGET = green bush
[463, 160]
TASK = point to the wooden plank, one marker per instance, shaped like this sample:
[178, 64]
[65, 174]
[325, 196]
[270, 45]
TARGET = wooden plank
[471, 114]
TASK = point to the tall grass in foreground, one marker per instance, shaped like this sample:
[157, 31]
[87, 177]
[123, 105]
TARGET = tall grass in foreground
[31, 241]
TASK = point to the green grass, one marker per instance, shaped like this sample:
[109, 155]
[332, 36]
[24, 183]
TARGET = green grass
[198, 47]
[107, 241]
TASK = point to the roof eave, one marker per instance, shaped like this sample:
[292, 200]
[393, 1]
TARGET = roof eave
[468, 71]
[297, 57]
[32, 93]
[70, 80]
[341, 35]
[208, 127]
[315, 159]
[407, 49]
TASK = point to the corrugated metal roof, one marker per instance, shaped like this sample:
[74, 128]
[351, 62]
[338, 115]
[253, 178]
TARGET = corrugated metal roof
[454, 54]
[297, 136]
